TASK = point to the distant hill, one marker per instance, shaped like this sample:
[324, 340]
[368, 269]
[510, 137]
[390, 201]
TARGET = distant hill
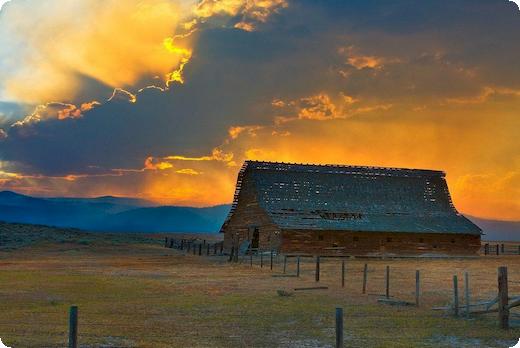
[498, 230]
[121, 214]
[109, 214]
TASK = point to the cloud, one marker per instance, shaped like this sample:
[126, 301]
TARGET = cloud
[50, 47]
[368, 83]
[3, 134]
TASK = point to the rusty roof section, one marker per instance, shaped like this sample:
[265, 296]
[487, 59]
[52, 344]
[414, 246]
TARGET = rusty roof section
[354, 198]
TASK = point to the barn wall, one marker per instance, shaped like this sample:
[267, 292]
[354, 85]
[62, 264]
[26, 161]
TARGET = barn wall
[249, 214]
[375, 243]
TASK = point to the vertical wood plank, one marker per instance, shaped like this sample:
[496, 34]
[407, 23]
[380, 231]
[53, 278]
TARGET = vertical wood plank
[342, 273]
[417, 287]
[339, 327]
[365, 273]
[503, 298]
[298, 266]
[73, 327]
[317, 272]
[387, 282]
[466, 293]
[455, 296]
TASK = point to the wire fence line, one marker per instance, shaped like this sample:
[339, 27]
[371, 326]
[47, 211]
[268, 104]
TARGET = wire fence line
[399, 280]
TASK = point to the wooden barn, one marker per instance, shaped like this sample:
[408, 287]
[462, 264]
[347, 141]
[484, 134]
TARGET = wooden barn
[346, 210]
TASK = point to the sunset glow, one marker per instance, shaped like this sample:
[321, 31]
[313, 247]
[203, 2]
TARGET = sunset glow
[164, 100]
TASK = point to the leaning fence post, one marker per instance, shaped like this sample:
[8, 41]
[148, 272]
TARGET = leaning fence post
[342, 273]
[73, 327]
[466, 292]
[455, 296]
[317, 273]
[298, 266]
[387, 282]
[365, 271]
[503, 298]
[339, 327]
[417, 287]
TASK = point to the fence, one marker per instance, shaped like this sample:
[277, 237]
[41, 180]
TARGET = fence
[500, 249]
[501, 304]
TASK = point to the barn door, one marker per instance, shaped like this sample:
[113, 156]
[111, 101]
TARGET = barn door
[255, 240]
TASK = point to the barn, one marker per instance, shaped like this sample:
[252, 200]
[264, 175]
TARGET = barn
[346, 210]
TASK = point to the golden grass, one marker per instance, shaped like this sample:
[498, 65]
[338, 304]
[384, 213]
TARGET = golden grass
[148, 296]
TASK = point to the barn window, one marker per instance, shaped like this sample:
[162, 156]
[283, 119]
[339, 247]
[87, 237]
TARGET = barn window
[356, 239]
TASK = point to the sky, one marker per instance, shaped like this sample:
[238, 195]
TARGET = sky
[164, 100]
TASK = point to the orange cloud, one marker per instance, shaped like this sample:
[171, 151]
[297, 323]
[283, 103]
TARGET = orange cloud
[103, 40]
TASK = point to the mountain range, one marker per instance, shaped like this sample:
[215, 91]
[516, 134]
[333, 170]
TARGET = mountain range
[109, 214]
[121, 214]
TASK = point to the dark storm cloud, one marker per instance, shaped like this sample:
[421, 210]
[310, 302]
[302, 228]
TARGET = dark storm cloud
[427, 50]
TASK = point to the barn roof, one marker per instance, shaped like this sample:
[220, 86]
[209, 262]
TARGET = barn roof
[354, 198]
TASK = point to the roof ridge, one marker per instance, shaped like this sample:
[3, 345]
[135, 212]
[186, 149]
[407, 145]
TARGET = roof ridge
[345, 166]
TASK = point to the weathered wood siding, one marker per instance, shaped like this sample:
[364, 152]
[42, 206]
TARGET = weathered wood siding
[248, 214]
[377, 243]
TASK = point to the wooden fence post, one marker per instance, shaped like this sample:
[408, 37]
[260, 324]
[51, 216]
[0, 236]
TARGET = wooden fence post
[497, 250]
[365, 271]
[298, 266]
[342, 273]
[387, 282]
[73, 327]
[261, 260]
[251, 258]
[503, 298]
[417, 287]
[271, 259]
[200, 249]
[194, 249]
[466, 293]
[207, 251]
[503, 248]
[171, 243]
[215, 249]
[284, 264]
[455, 296]
[166, 242]
[339, 327]
[519, 250]
[317, 273]
[182, 244]
[221, 248]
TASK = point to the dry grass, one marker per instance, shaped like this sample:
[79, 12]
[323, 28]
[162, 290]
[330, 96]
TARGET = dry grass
[133, 295]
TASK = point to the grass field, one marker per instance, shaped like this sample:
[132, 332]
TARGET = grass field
[135, 293]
